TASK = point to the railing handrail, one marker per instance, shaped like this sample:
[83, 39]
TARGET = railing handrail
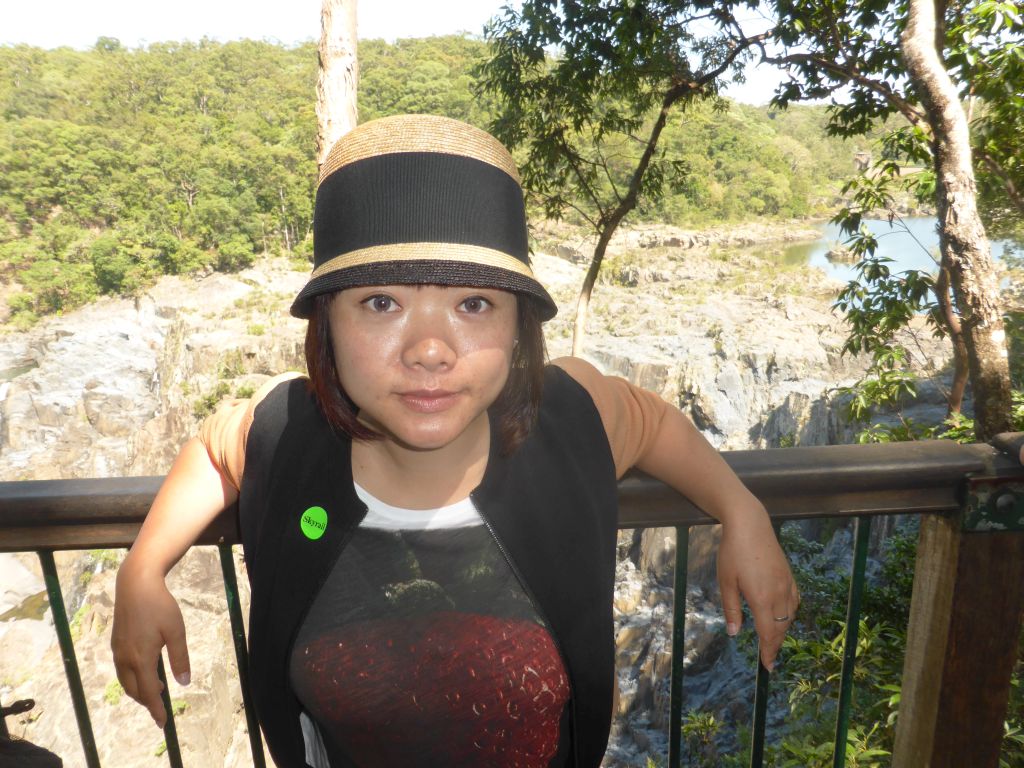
[841, 480]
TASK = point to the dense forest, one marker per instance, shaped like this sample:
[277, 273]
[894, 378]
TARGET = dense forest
[118, 165]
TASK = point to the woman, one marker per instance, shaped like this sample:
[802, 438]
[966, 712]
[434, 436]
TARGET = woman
[429, 521]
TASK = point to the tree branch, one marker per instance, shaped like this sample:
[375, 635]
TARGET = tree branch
[1012, 192]
[914, 115]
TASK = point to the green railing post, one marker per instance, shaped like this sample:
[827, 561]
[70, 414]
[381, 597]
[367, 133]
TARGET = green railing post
[675, 719]
[170, 730]
[760, 714]
[67, 650]
[760, 723]
[860, 557]
[227, 566]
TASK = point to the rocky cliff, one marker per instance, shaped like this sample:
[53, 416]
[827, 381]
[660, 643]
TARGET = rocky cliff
[746, 345]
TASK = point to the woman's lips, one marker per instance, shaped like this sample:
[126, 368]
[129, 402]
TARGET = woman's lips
[428, 401]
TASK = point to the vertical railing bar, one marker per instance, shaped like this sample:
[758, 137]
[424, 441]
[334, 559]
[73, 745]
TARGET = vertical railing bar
[675, 719]
[853, 603]
[760, 714]
[760, 723]
[67, 649]
[170, 729]
[227, 565]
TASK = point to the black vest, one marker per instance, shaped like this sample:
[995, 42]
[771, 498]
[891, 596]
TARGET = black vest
[552, 506]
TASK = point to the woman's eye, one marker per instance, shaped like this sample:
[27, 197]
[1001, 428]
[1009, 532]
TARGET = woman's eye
[381, 303]
[475, 304]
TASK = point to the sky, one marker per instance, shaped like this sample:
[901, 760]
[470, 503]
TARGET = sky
[78, 23]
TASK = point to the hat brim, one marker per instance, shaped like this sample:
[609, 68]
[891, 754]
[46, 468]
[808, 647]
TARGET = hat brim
[424, 272]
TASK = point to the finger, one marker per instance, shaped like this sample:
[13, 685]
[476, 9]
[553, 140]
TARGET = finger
[769, 643]
[731, 608]
[771, 625]
[123, 667]
[150, 688]
[772, 628]
[177, 653]
[126, 677]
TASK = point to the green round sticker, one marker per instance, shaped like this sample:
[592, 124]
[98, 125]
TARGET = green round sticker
[314, 522]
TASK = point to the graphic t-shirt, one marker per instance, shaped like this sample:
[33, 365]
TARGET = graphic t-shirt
[422, 649]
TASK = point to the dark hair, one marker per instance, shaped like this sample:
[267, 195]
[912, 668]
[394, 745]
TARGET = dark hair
[515, 410]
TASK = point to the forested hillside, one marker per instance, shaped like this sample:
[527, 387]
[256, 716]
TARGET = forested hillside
[118, 165]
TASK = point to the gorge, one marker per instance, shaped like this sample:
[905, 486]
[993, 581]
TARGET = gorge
[749, 347]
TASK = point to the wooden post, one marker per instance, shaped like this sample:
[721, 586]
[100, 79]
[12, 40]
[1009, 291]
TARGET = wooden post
[965, 621]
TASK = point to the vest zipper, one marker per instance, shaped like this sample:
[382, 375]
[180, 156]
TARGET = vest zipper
[540, 612]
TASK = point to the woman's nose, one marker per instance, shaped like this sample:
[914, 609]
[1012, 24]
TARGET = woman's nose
[429, 346]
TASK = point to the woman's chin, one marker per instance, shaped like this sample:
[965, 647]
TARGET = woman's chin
[427, 439]
[437, 432]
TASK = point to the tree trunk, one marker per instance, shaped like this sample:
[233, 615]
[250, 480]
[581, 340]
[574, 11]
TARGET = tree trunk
[956, 335]
[966, 252]
[579, 329]
[338, 75]
[609, 222]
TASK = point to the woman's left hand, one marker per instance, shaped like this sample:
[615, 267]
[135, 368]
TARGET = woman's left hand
[751, 563]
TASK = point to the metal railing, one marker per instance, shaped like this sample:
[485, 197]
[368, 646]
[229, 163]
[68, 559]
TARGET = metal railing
[861, 481]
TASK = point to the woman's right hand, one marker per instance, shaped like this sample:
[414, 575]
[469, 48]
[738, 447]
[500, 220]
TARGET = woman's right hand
[147, 618]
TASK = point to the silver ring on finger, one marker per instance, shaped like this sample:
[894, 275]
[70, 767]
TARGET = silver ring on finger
[781, 618]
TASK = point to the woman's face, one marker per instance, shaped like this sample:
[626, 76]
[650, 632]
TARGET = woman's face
[423, 362]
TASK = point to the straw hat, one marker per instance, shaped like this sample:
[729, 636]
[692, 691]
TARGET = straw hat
[419, 199]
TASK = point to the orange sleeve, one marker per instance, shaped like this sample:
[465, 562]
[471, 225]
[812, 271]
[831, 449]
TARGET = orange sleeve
[225, 431]
[631, 416]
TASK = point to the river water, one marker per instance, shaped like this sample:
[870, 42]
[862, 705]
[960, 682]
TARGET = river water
[911, 245]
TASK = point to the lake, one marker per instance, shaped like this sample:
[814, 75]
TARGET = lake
[915, 246]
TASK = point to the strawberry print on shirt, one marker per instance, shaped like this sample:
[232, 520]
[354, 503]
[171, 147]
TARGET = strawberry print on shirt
[422, 649]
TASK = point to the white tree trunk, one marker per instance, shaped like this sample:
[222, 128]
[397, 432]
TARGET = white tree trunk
[965, 247]
[338, 77]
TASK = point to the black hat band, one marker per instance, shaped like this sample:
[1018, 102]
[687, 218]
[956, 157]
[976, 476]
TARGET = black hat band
[380, 201]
